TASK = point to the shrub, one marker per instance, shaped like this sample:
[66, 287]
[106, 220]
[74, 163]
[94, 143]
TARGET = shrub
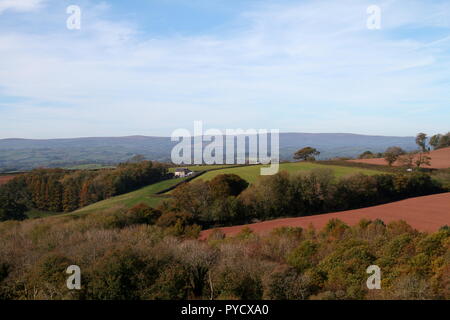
[234, 283]
[286, 284]
[225, 185]
[142, 214]
[48, 278]
[172, 284]
[117, 276]
[302, 257]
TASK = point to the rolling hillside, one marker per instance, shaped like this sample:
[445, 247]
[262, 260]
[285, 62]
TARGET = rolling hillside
[252, 173]
[25, 154]
[149, 194]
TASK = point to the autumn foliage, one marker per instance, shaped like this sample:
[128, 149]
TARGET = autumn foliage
[58, 190]
[123, 256]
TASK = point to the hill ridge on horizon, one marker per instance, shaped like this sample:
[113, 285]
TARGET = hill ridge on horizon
[166, 136]
[24, 154]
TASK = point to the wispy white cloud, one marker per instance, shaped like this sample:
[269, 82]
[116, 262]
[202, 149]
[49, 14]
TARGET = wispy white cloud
[20, 5]
[311, 66]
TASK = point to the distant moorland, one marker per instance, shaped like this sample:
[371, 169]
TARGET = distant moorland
[26, 154]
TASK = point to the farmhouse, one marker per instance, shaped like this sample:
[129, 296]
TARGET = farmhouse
[182, 172]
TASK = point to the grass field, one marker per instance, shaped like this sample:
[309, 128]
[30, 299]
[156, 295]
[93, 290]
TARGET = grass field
[92, 166]
[35, 213]
[205, 167]
[251, 173]
[145, 195]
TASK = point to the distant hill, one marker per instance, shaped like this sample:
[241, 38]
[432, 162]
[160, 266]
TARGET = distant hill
[25, 154]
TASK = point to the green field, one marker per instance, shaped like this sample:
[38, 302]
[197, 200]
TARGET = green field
[145, 195]
[93, 166]
[205, 167]
[251, 173]
[35, 213]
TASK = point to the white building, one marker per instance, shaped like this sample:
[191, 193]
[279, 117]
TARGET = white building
[182, 172]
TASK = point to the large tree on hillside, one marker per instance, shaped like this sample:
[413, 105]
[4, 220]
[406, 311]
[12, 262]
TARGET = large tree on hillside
[439, 141]
[366, 155]
[434, 141]
[421, 141]
[307, 153]
[422, 158]
[392, 154]
[445, 141]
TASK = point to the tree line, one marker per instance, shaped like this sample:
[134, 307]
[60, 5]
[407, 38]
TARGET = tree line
[439, 141]
[229, 200]
[59, 190]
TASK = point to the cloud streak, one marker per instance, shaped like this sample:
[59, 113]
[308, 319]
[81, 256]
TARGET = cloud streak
[20, 5]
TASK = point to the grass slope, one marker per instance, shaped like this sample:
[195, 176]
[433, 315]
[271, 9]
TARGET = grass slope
[145, 195]
[35, 213]
[205, 167]
[251, 173]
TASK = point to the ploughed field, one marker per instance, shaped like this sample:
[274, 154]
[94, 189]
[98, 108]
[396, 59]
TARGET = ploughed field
[440, 159]
[5, 179]
[427, 213]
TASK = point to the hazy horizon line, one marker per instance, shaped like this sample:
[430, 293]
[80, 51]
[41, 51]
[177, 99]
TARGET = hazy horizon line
[168, 136]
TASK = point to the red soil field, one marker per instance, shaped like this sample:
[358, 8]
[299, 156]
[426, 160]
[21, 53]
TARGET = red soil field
[440, 159]
[427, 213]
[5, 179]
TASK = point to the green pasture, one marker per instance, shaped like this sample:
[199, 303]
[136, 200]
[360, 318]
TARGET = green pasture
[252, 173]
[145, 195]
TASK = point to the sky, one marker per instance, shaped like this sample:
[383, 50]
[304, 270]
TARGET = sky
[150, 67]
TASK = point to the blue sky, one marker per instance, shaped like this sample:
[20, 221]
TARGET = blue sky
[150, 67]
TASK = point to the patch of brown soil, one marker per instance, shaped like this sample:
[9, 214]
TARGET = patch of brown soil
[5, 179]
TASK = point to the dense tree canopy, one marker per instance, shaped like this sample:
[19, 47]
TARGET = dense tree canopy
[141, 261]
[10, 209]
[439, 141]
[392, 154]
[59, 190]
[421, 141]
[307, 153]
